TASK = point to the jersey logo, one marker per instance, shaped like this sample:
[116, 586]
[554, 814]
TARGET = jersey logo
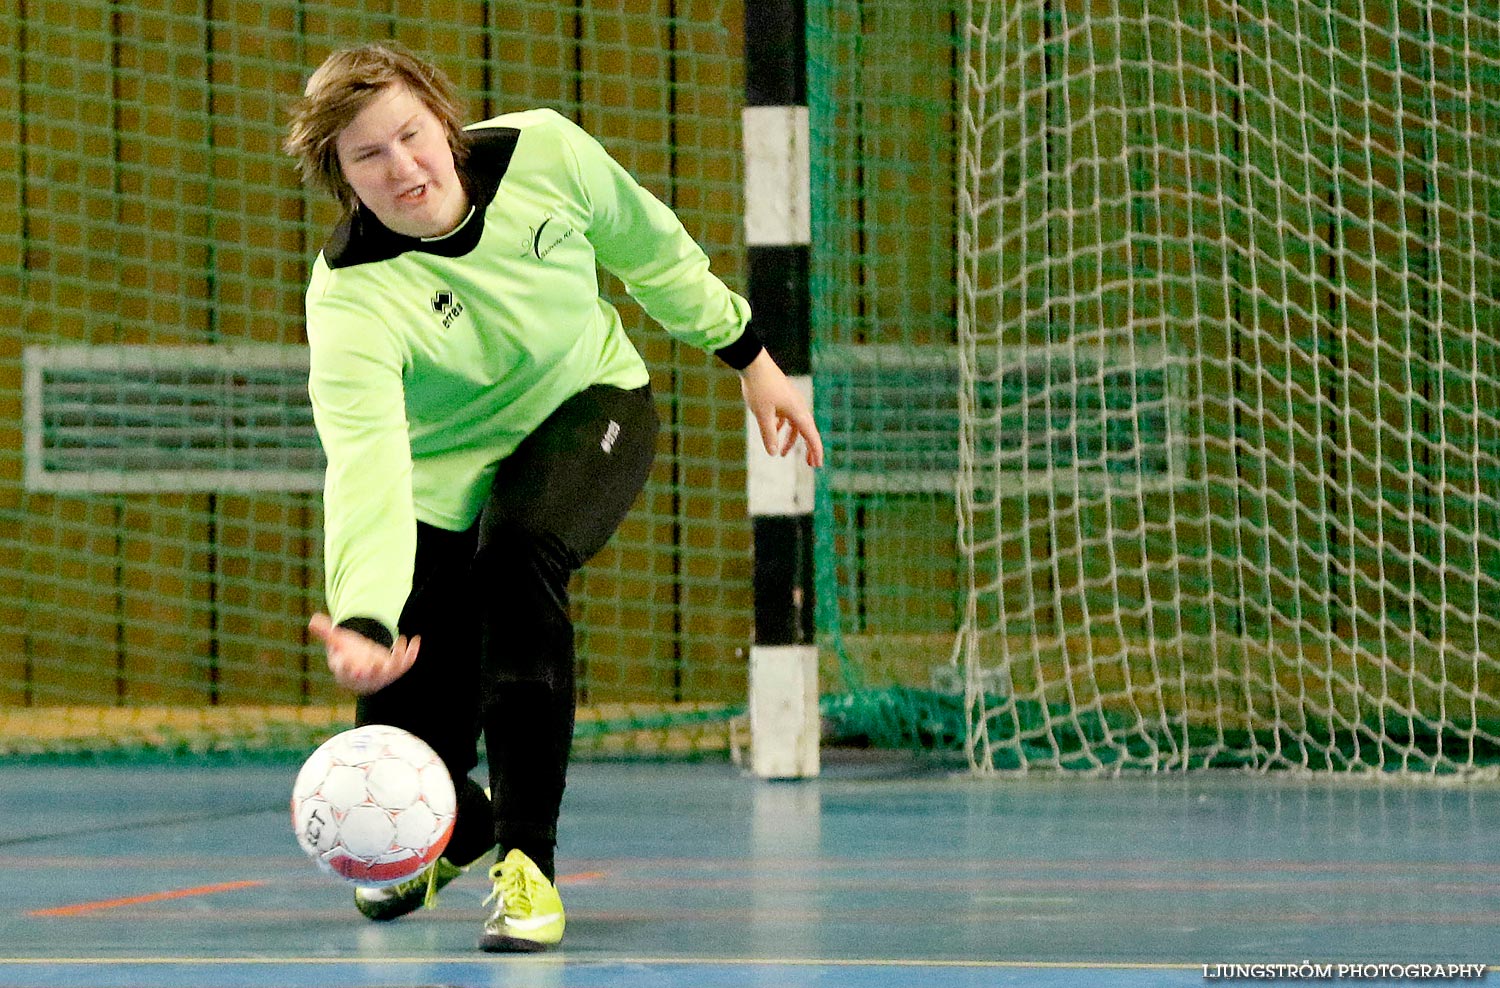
[543, 239]
[446, 307]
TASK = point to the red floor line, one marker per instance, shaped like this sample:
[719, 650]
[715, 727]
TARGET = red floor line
[80, 908]
[582, 876]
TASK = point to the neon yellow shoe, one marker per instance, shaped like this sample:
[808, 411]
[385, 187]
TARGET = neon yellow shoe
[528, 911]
[397, 900]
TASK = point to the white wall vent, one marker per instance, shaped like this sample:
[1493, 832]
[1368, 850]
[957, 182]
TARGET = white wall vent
[127, 418]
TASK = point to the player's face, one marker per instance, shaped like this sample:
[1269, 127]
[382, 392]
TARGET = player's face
[396, 156]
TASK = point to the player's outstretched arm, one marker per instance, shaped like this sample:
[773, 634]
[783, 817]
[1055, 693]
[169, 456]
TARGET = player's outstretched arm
[358, 663]
[780, 409]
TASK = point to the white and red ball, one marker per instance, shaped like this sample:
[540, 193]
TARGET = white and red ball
[374, 805]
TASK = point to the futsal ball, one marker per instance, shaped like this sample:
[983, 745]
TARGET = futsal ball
[374, 805]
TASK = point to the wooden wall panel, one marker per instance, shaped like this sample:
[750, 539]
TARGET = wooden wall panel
[70, 577]
[907, 145]
[718, 624]
[534, 56]
[164, 172]
[263, 548]
[260, 250]
[72, 599]
[12, 264]
[166, 226]
[623, 59]
[165, 610]
[260, 545]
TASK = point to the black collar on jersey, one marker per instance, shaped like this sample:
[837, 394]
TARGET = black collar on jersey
[360, 238]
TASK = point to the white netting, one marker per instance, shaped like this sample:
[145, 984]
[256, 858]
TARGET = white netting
[1230, 451]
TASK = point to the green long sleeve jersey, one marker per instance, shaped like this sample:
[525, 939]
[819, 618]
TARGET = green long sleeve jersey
[432, 359]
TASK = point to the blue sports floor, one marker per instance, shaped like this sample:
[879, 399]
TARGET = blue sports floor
[881, 873]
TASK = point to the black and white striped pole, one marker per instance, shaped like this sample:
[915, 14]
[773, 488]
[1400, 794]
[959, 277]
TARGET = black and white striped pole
[784, 722]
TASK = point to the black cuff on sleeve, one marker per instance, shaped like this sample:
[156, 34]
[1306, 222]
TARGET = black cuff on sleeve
[371, 629]
[742, 351]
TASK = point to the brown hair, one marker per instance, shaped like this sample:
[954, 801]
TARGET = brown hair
[344, 85]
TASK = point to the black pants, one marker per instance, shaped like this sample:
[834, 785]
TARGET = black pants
[491, 605]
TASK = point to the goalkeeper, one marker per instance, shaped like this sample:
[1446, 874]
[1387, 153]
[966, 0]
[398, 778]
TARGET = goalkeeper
[487, 425]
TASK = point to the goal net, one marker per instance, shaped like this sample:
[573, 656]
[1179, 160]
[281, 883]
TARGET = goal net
[1228, 476]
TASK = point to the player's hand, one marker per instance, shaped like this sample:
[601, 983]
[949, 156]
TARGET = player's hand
[780, 410]
[358, 663]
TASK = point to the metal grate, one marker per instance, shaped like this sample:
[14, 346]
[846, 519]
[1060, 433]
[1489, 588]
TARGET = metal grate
[121, 418]
[1056, 416]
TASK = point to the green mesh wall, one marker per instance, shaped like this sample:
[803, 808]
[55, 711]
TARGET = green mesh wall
[160, 533]
[883, 85]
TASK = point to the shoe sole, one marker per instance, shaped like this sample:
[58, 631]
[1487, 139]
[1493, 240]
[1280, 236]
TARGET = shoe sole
[389, 917]
[393, 910]
[383, 917]
[497, 944]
